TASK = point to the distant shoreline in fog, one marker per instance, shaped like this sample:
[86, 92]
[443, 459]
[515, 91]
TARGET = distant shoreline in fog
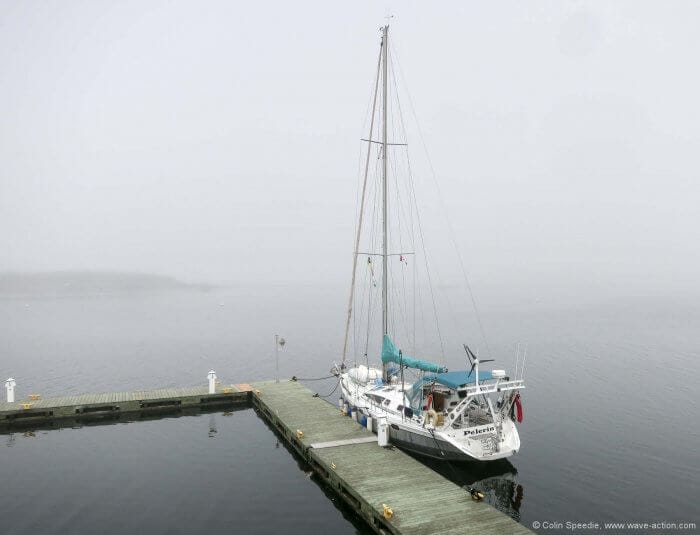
[89, 282]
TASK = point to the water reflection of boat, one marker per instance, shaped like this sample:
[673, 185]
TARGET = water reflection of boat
[498, 480]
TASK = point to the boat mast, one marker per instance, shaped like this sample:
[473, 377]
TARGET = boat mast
[385, 237]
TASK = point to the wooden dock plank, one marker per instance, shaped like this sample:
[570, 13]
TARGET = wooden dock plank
[338, 443]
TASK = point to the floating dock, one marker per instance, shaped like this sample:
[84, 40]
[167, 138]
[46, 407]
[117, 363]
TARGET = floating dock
[35, 410]
[393, 492]
[348, 459]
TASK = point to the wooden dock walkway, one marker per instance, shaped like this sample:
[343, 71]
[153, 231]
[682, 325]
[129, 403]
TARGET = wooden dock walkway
[348, 459]
[94, 406]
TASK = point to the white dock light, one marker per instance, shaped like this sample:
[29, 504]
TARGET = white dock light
[279, 343]
[212, 381]
[10, 387]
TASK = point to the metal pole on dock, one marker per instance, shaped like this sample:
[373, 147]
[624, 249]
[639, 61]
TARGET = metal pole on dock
[279, 342]
[277, 359]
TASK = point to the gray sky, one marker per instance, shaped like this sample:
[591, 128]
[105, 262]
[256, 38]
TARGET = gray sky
[220, 140]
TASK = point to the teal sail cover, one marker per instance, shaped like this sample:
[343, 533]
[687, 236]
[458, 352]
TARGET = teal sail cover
[391, 354]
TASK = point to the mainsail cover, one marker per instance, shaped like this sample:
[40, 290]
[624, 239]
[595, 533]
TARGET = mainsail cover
[391, 354]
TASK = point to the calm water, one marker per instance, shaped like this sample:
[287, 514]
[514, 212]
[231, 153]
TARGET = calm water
[609, 433]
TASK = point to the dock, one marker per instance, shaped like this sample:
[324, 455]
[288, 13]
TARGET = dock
[348, 459]
[36, 410]
[390, 490]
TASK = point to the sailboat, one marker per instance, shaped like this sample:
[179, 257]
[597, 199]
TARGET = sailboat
[448, 415]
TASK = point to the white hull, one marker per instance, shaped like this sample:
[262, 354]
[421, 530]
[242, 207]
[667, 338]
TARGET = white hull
[453, 441]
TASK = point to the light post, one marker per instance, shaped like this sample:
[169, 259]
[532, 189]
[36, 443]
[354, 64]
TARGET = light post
[279, 342]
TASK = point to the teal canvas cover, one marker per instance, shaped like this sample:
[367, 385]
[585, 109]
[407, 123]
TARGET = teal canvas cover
[452, 380]
[457, 379]
[391, 354]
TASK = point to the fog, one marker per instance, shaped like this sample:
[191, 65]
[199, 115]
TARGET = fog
[220, 141]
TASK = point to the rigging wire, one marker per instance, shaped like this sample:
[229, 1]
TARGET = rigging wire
[372, 303]
[454, 470]
[444, 209]
[418, 220]
[369, 278]
[331, 392]
[403, 218]
[522, 366]
[361, 214]
[295, 378]
[366, 296]
[400, 300]
[409, 212]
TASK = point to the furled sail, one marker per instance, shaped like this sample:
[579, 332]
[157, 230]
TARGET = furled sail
[391, 354]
